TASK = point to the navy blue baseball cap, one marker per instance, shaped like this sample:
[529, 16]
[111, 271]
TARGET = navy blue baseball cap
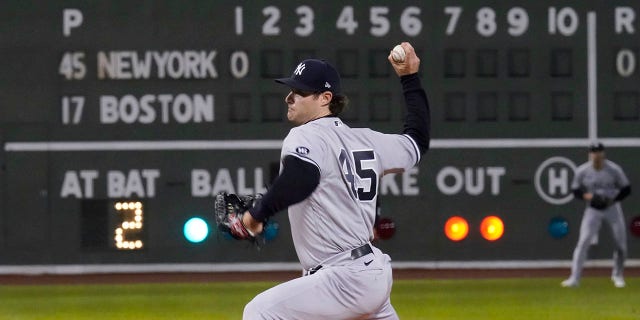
[314, 75]
[596, 147]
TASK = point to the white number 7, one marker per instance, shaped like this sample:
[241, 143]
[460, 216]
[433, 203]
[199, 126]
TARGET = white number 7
[453, 21]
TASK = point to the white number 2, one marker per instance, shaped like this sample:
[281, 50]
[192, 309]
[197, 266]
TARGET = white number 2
[270, 27]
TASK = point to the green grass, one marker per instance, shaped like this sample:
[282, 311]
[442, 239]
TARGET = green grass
[537, 298]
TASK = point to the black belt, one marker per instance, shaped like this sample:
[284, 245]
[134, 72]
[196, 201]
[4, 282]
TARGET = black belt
[355, 254]
[361, 251]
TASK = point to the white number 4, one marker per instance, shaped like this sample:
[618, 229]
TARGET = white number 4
[347, 21]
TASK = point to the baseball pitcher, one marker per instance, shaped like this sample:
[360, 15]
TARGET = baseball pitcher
[329, 179]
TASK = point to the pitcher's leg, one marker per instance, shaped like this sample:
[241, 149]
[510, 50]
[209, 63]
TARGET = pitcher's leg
[387, 312]
[343, 292]
[303, 298]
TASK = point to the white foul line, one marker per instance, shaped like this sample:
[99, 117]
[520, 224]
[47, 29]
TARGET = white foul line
[592, 79]
[195, 145]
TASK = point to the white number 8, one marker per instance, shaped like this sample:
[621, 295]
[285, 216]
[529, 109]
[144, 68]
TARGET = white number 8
[486, 25]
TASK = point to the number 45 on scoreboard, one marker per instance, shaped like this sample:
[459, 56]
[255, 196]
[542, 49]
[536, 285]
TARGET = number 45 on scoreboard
[72, 66]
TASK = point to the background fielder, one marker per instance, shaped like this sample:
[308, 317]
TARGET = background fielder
[602, 184]
[329, 183]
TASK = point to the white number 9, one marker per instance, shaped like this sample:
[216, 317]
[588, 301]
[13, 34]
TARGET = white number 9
[518, 21]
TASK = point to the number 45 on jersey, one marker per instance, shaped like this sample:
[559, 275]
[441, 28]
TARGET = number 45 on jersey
[365, 186]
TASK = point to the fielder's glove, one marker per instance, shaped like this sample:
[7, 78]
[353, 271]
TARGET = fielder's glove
[600, 202]
[228, 211]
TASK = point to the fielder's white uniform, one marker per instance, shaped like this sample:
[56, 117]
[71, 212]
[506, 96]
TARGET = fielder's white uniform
[607, 182]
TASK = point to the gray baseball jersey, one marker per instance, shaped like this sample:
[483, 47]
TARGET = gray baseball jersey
[606, 182]
[339, 215]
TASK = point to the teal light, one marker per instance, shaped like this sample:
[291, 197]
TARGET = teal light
[558, 227]
[196, 230]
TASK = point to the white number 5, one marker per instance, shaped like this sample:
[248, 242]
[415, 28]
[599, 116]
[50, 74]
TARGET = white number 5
[379, 21]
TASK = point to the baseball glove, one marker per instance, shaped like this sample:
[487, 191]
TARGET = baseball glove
[228, 211]
[599, 202]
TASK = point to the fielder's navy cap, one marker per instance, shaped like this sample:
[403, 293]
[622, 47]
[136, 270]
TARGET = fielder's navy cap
[315, 76]
[596, 147]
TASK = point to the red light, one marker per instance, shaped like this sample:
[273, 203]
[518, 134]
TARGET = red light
[456, 228]
[385, 229]
[492, 228]
[634, 227]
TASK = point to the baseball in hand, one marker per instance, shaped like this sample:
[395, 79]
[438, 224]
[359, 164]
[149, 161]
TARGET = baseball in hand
[398, 54]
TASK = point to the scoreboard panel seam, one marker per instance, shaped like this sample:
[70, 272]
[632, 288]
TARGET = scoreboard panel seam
[68, 146]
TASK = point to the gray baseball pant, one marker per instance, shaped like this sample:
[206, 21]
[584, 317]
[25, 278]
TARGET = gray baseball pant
[589, 228]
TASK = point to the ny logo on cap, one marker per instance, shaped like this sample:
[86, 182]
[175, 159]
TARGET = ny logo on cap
[327, 85]
[299, 69]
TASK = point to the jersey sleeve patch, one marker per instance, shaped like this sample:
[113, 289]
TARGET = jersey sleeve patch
[302, 150]
[306, 143]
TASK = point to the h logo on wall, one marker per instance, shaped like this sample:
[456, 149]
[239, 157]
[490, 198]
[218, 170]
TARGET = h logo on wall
[553, 180]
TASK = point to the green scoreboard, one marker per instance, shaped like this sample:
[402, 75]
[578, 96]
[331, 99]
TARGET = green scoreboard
[120, 121]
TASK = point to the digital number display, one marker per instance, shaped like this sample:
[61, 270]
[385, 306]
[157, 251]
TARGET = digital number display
[113, 225]
[129, 225]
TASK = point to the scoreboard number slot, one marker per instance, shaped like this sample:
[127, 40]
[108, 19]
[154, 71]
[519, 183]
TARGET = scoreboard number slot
[113, 225]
